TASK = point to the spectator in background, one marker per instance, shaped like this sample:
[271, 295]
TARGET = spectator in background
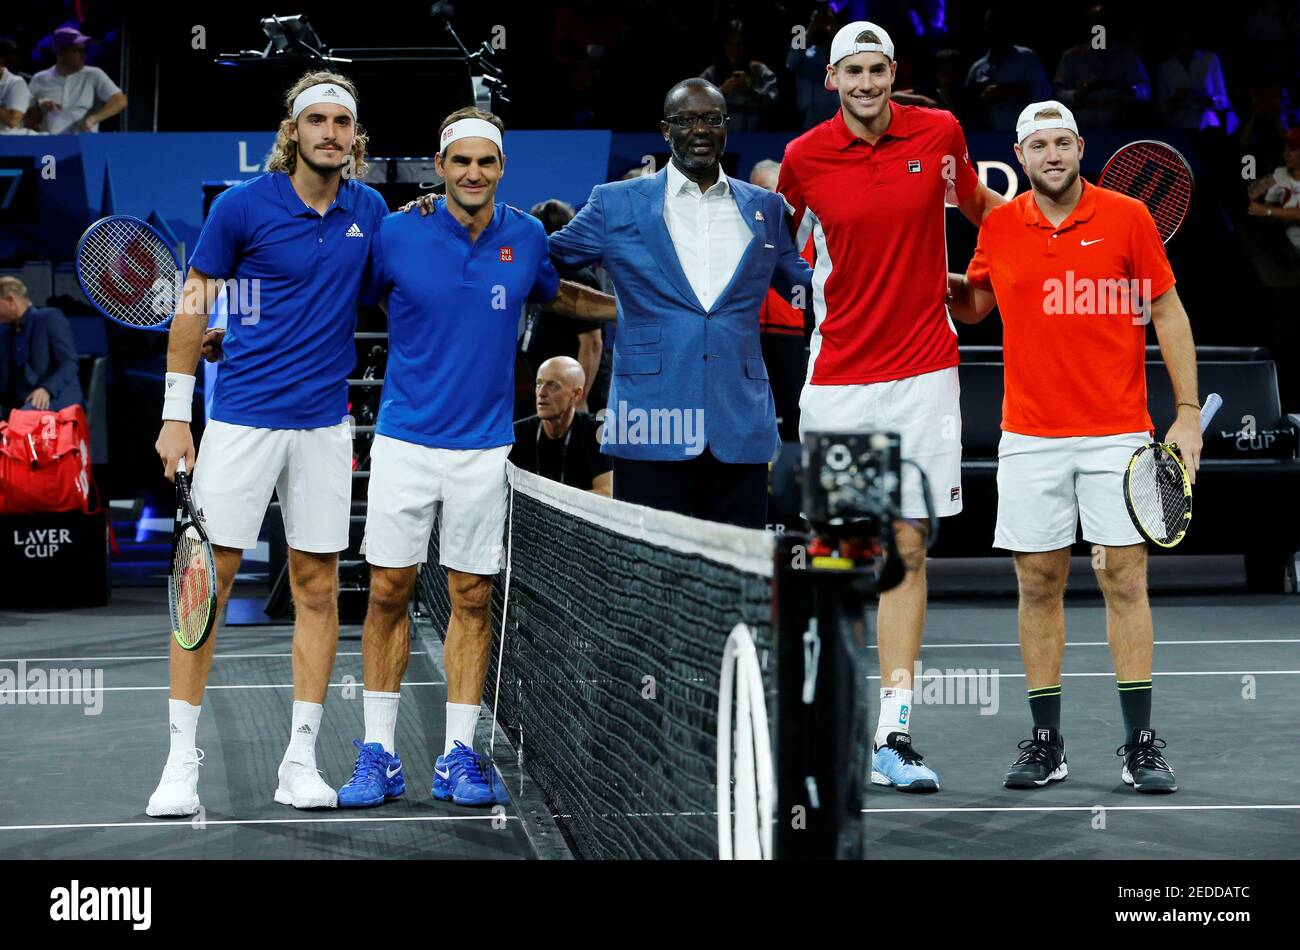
[1262, 132]
[71, 97]
[781, 332]
[1103, 80]
[944, 91]
[813, 102]
[548, 334]
[38, 359]
[1277, 196]
[14, 95]
[1001, 81]
[749, 86]
[1190, 89]
[561, 442]
[98, 18]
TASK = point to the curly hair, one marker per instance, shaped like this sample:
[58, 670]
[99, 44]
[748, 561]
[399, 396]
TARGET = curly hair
[284, 154]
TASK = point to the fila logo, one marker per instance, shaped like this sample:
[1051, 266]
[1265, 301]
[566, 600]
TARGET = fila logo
[1083, 243]
[1043, 735]
[914, 166]
[354, 231]
[507, 255]
[954, 494]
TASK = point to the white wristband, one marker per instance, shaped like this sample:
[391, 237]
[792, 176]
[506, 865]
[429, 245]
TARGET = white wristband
[178, 397]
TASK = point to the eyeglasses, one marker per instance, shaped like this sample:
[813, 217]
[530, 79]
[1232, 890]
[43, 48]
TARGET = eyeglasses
[714, 120]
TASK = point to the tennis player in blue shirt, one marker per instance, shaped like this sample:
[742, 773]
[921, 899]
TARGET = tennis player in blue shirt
[292, 245]
[454, 282]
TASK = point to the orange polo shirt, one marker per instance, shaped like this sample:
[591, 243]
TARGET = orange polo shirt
[1075, 301]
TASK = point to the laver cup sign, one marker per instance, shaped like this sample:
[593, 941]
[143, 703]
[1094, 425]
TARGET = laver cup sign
[40, 542]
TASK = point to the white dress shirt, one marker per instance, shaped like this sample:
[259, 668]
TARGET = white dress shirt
[707, 231]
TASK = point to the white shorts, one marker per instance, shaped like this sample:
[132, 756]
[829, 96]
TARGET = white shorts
[310, 471]
[408, 482]
[1045, 485]
[924, 410]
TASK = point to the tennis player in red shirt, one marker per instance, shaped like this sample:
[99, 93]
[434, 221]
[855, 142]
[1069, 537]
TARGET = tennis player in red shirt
[1077, 272]
[870, 186]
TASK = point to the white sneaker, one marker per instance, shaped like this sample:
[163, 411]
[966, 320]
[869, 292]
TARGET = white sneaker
[302, 787]
[177, 793]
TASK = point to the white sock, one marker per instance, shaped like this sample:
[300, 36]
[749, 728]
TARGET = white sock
[461, 720]
[895, 713]
[184, 720]
[380, 711]
[302, 733]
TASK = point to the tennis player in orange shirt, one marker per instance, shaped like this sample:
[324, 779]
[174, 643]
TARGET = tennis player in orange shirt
[1077, 272]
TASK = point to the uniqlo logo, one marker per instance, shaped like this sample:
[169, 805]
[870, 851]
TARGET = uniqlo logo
[507, 255]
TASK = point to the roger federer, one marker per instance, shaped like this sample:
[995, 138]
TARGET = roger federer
[1077, 272]
[454, 282]
[302, 233]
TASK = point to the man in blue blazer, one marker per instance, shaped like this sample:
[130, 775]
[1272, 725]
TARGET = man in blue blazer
[38, 359]
[690, 422]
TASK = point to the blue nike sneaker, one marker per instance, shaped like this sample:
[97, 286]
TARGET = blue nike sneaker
[896, 763]
[458, 777]
[377, 777]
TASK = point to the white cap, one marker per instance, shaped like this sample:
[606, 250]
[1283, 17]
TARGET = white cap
[1027, 125]
[846, 44]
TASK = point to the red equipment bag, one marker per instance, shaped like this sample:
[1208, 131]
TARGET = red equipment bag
[45, 462]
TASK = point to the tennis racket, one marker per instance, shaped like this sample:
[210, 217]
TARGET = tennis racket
[1157, 490]
[192, 584]
[129, 272]
[1157, 175]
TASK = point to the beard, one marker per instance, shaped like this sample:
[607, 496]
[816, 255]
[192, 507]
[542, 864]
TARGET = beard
[1043, 187]
[320, 169]
[696, 163]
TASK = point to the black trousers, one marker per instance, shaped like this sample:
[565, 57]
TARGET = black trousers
[702, 487]
[786, 358]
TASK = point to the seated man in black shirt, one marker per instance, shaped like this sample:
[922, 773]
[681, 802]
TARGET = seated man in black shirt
[559, 442]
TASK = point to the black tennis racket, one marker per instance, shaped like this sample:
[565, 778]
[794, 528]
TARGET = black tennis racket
[192, 584]
[1157, 175]
[1157, 489]
[129, 272]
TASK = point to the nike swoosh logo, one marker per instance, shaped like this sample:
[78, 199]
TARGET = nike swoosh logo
[1083, 243]
[392, 772]
[443, 773]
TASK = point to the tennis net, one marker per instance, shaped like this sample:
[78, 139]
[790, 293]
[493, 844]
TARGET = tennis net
[609, 627]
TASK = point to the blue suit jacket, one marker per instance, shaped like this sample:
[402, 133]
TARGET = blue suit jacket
[677, 367]
[48, 358]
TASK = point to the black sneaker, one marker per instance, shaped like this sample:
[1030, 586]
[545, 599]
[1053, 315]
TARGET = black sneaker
[1144, 767]
[1042, 760]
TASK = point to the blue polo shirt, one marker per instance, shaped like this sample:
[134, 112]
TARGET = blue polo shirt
[289, 342]
[453, 317]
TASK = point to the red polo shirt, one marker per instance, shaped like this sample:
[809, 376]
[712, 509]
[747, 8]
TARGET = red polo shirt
[1071, 299]
[876, 216]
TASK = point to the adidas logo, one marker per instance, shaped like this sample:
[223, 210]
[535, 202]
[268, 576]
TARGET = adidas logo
[176, 730]
[354, 231]
[331, 92]
[304, 729]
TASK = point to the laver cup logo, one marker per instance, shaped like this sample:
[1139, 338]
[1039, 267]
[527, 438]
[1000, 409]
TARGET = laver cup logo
[41, 542]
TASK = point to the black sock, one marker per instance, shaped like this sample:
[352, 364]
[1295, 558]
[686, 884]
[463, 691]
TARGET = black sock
[1045, 707]
[1135, 702]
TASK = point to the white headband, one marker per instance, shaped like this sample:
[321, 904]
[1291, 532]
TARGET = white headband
[324, 92]
[470, 129]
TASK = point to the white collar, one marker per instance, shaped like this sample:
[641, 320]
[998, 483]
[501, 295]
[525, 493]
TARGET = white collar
[677, 182]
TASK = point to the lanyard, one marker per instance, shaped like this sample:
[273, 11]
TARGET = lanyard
[564, 451]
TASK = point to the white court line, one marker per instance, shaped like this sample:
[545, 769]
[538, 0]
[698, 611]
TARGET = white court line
[189, 822]
[149, 689]
[926, 675]
[1093, 643]
[218, 656]
[883, 811]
